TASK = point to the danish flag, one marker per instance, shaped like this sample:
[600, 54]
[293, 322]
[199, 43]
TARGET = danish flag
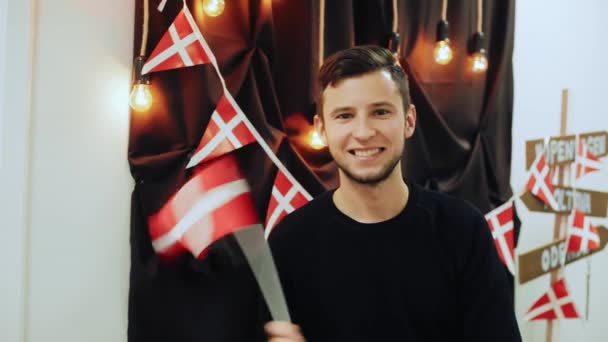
[203, 210]
[539, 181]
[227, 131]
[287, 196]
[555, 304]
[181, 46]
[582, 235]
[501, 224]
[585, 161]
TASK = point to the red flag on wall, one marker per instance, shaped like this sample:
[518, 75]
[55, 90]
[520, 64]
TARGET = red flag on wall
[227, 131]
[554, 304]
[585, 161]
[582, 235]
[202, 211]
[501, 224]
[539, 181]
[181, 46]
[287, 196]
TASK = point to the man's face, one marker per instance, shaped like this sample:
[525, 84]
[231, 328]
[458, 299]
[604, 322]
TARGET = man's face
[365, 127]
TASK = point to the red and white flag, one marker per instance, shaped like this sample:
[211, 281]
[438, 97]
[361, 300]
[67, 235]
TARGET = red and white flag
[226, 131]
[555, 304]
[287, 196]
[582, 235]
[585, 161]
[181, 46]
[539, 181]
[501, 224]
[203, 210]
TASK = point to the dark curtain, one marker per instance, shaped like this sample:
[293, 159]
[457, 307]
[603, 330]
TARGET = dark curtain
[268, 52]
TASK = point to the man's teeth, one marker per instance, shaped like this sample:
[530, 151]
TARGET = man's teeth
[366, 153]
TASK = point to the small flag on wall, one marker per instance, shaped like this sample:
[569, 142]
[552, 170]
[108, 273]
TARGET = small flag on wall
[227, 131]
[554, 304]
[501, 224]
[181, 46]
[287, 196]
[585, 161]
[582, 235]
[539, 181]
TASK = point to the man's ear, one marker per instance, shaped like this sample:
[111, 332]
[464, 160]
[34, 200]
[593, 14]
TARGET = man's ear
[410, 121]
[320, 127]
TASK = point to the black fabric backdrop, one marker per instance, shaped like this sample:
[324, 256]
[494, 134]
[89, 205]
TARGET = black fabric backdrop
[268, 55]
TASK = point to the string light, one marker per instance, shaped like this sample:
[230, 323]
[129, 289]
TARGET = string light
[479, 59]
[315, 140]
[140, 98]
[213, 8]
[443, 51]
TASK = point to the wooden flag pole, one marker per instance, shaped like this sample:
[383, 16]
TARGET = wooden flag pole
[561, 219]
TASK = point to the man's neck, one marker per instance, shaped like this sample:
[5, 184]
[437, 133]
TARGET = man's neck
[372, 203]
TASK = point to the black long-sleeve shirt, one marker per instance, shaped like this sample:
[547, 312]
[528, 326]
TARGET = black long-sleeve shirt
[431, 273]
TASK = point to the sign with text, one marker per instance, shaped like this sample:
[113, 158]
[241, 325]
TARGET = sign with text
[552, 256]
[562, 149]
[591, 203]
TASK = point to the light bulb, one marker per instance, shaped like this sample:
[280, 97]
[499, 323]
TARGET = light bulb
[315, 140]
[213, 8]
[442, 53]
[480, 62]
[141, 98]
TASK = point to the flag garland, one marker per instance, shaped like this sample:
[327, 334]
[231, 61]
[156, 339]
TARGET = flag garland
[188, 215]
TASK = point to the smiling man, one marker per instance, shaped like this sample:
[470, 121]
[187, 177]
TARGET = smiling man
[378, 258]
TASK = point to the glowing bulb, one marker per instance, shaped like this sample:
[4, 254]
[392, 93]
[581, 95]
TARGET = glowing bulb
[315, 140]
[213, 8]
[141, 98]
[443, 52]
[480, 61]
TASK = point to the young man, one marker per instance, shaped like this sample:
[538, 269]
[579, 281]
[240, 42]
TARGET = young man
[379, 259]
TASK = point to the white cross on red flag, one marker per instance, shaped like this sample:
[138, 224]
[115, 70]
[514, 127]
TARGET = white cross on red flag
[554, 304]
[539, 181]
[181, 46]
[585, 161]
[287, 196]
[203, 210]
[501, 224]
[226, 131]
[582, 235]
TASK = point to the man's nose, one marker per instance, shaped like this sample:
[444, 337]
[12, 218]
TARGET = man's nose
[363, 129]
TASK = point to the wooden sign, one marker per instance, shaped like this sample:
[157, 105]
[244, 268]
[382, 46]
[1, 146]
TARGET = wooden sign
[591, 203]
[561, 150]
[552, 256]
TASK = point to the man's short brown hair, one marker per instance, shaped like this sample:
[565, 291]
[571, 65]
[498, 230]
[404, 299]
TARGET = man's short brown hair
[357, 61]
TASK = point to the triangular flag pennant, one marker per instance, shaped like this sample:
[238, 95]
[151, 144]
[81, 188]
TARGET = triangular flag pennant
[539, 181]
[555, 304]
[287, 196]
[181, 46]
[226, 131]
[202, 211]
[582, 235]
[585, 161]
[501, 224]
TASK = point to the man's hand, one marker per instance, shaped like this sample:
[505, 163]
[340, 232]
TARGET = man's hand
[279, 331]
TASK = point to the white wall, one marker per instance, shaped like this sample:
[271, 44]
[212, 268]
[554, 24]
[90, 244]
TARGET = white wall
[560, 44]
[66, 186]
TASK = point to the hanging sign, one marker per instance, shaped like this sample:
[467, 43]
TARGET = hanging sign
[591, 203]
[561, 150]
[552, 256]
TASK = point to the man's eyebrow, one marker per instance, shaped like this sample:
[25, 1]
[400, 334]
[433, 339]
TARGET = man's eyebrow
[381, 104]
[341, 109]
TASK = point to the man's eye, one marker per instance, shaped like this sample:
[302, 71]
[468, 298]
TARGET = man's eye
[343, 116]
[381, 112]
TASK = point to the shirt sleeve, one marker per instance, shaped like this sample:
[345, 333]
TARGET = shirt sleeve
[484, 293]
